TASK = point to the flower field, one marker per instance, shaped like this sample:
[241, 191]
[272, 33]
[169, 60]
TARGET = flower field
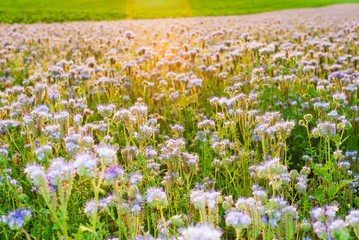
[241, 127]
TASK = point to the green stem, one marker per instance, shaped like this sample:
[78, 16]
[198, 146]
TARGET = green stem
[47, 197]
[119, 210]
[164, 223]
[63, 209]
[328, 149]
[238, 234]
[26, 234]
[271, 210]
[96, 192]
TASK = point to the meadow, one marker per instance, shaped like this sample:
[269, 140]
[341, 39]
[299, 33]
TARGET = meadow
[241, 127]
[31, 11]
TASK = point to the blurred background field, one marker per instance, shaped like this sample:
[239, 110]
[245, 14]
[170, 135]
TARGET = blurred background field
[31, 11]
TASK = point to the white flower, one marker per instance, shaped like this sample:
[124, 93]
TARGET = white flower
[156, 197]
[201, 232]
[85, 163]
[238, 219]
[107, 154]
[35, 173]
[353, 218]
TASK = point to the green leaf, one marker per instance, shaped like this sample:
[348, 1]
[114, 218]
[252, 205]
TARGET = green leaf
[55, 226]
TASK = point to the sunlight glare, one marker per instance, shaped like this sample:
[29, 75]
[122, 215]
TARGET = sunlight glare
[158, 8]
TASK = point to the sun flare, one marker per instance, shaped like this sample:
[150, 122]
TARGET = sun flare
[160, 8]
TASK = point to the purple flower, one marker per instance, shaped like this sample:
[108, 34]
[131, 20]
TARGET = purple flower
[17, 218]
[112, 173]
